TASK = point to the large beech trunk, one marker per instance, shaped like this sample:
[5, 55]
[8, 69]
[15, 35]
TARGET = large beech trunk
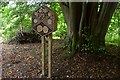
[87, 22]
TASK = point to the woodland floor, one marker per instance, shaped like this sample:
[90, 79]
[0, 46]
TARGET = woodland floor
[24, 61]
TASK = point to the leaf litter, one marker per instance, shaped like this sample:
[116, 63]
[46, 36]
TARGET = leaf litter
[24, 61]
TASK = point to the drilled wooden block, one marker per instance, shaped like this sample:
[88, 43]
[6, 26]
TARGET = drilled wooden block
[44, 20]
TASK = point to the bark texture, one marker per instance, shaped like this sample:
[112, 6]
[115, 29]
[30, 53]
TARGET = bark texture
[87, 22]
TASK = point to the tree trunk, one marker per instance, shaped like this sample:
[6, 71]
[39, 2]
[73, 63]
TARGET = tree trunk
[74, 23]
[66, 10]
[87, 24]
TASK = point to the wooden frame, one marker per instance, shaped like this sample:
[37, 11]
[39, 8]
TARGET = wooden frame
[44, 22]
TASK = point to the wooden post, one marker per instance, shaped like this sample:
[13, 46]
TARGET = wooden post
[49, 55]
[45, 25]
[43, 55]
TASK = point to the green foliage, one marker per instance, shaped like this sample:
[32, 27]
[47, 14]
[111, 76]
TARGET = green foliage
[90, 47]
[61, 28]
[112, 35]
[93, 48]
[15, 17]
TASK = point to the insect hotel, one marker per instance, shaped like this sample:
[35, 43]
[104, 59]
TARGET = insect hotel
[44, 22]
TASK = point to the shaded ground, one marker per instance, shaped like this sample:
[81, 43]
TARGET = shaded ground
[24, 61]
